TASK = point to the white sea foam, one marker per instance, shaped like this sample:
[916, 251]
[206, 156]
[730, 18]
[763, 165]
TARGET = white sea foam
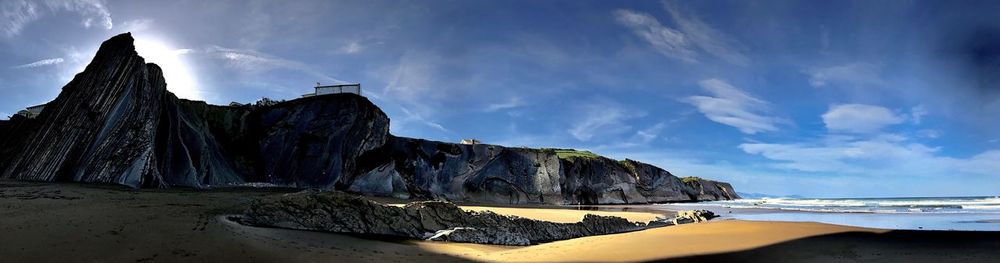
[887, 205]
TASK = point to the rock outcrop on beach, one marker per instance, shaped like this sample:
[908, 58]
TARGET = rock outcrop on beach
[693, 216]
[115, 122]
[433, 220]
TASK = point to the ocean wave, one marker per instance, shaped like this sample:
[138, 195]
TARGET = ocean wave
[888, 205]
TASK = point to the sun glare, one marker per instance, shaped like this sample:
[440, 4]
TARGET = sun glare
[176, 71]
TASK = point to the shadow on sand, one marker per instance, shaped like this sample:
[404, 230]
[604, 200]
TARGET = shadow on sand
[893, 246]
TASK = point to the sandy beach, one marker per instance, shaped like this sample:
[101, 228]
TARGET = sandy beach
[87, 223]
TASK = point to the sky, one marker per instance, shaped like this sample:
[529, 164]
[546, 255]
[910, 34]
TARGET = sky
[812, 98]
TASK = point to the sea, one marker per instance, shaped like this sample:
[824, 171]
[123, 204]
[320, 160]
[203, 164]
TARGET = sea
[980, 213]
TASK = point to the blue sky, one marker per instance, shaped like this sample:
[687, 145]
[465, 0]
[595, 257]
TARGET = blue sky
[815, 98]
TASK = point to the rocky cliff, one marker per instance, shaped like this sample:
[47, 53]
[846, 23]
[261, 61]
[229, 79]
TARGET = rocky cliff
[4, 129]
[116, 123]
[101, 128]
[496, 174]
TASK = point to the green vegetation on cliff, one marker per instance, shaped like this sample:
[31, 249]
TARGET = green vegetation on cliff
[691, 179]
[566, 154]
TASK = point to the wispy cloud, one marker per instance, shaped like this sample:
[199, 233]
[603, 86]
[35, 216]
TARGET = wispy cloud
[412, 82]
[642, 138]
[40, 63]
[182, 51]
[734, 107]
[649, 137]
[855, 74]
[16, 14]
[987, 163]
[416, 117]
[511, 103]
[649, 134]
[840, 154]
[705, 37]
[137, 25]
[930, 133]
[255, 61]
[352, 47]
[667, 41]
[602, 118]
[859, 118]
[431, 83]
[680, 43]
[917, 114]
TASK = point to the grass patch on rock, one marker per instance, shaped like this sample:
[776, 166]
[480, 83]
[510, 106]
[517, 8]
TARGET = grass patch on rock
[691, 179]
[566, 154]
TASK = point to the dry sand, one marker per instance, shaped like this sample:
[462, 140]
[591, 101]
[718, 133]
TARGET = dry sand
[85, 223]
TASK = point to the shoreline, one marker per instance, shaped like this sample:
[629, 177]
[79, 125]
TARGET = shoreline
[957, 221]
[70, 222]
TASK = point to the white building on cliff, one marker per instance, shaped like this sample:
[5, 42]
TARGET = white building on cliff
[335, 89]
[32, 112]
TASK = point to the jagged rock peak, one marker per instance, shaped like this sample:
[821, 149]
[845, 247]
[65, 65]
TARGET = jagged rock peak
[101, 127]
[123, 41]
[120, 45]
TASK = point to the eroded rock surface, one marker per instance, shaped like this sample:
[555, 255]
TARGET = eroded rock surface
[693, 216]
[101, 128]
[344, 213]
[485, 173]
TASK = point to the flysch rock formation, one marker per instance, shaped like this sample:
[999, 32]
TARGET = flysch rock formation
[115, 122]
[431, 220]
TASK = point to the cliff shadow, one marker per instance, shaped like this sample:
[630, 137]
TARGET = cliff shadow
[893, 246]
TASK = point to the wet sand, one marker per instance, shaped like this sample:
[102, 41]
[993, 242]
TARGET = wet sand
[87, 223]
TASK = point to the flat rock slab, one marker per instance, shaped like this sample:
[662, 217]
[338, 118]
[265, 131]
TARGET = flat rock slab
[438, 220]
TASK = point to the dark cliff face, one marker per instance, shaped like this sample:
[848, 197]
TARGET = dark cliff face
[495, 174]
[599, 181]
[5, 128]
[200, 144]
[710, 190]
[482, 173]
[117, 123]
[314, 142]
[299, 143]
[102, 126]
